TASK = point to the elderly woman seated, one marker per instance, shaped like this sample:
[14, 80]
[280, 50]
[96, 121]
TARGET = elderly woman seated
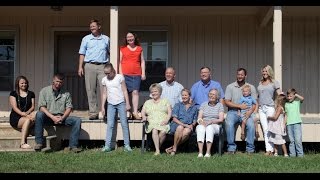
[211, 113]
[157, 112]
[184, 119]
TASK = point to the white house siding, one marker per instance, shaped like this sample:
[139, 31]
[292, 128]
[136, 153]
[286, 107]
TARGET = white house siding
[222, 42]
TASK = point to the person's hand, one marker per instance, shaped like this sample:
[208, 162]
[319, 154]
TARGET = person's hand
[24, 114]
[163, 123]
[57, 119]
[243, 106]
[128, 107]
[80, 72]
[30, 117]
[103, 112]
[190, 126]
[143, 77]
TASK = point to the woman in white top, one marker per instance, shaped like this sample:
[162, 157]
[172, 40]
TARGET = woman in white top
[116, 92]
[268, 86]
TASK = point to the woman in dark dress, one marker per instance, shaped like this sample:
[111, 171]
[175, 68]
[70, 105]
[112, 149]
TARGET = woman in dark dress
[22, 115]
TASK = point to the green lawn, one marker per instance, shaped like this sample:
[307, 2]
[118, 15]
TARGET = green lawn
[94, 161]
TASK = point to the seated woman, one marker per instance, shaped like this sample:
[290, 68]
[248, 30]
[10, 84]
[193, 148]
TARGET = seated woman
[184, 119]
[22, 115]
[157, 112]
[211, 113]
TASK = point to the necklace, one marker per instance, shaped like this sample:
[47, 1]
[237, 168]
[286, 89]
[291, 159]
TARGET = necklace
[24, 108]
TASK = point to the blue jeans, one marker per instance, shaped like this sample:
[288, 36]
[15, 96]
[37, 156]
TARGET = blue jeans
[42, 119]
[295, 137]
[111, 114]
[234, 119]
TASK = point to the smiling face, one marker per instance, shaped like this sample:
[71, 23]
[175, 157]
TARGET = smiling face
[213, 96]
[23, 85]
[170, 74]
[185, 97]
[290, 97]
[246, 92]
[95, 28]
[155, 93]
[57, 83]
[241, 76]
[130, 38]
[205, 74]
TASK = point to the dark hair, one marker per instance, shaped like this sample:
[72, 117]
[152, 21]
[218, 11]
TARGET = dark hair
[242, 69]
[109, 65]
[95, 21]
[291, 91]
[136, 39]
[59, 76]
[17, 83]
[205, 67]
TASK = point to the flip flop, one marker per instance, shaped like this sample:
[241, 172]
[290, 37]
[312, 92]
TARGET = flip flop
[25, 146]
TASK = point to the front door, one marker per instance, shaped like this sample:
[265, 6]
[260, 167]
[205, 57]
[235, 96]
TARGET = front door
[66, 61]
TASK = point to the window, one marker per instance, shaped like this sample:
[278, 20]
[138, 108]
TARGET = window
[7, 60]
[155, 53]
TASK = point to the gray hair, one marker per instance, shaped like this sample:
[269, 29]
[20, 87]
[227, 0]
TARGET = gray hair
[218, 93]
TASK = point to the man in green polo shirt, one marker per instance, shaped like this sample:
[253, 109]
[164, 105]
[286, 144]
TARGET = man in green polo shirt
[54, 108]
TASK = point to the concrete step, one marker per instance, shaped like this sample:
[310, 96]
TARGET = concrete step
[7, 131]
[9, 143]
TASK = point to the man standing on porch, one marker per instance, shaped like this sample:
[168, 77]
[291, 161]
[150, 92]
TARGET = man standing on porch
[94, 54]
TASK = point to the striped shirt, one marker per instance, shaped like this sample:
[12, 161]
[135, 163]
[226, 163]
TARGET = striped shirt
[171, 91]
[211, 112]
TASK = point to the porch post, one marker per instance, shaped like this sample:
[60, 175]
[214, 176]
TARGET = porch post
[114, 36]
[277, 43]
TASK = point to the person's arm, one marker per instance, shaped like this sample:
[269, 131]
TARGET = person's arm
[200, 116]
[276, 115]
[301, 98]
[32, 106]
[143, 113]
[169, 109]
[80, 68]
[230, 104]
[120, 60]
[125, 93]
[143, 67]
[104, 99]
[13, 103]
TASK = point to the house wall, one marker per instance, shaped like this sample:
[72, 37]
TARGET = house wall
[223, 43]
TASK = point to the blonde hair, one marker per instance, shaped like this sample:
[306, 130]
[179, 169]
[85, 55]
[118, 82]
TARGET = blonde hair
[246, 86]
[156, 86]
[269, 71]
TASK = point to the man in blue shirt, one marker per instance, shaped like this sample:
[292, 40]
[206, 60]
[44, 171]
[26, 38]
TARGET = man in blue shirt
[94, 54]
[200, 89]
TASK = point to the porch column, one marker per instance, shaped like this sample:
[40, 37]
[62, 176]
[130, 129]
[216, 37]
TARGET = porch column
[277, 43]
[114, 36]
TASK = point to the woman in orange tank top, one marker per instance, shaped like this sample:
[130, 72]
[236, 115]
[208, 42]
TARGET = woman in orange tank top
[132, 66]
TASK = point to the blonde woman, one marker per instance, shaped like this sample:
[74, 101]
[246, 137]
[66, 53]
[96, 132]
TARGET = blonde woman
[267, 89]
[157, 111]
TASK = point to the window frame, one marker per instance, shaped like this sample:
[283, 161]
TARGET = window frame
[16, 60]
[154, 28]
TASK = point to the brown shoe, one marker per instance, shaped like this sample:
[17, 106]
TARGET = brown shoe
[93, 117]
[136, 116]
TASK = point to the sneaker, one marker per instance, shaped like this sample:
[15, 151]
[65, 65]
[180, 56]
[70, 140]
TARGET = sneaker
[127, 149]
[286, 155]
[76, 150]
[38, 147]
[106, 149]
[200, 155]
[207, 155]
[275, 154]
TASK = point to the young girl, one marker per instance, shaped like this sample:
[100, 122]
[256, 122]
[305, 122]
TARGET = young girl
[277, 126]
[22, 115]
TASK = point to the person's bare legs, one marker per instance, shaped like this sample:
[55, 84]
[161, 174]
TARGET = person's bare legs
[200, 146]
[156, 141]
[25, 124]
[284, 149]
[243, 126]
[162, 137]
[209, 144]
[135, 101]
[182, 134]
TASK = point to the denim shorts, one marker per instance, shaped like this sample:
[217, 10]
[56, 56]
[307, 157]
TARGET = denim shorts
[132, 82]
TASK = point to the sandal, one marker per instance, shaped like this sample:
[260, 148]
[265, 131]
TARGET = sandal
[25, 146]
[243, 137]
[169, 150]
[173, 153]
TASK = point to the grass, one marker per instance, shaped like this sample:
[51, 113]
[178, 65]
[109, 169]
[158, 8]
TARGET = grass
[94, 161]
